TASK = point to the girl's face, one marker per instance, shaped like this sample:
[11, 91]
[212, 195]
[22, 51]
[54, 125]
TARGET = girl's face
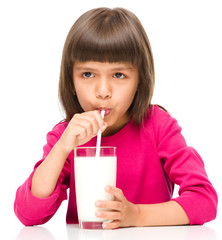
[108, 86]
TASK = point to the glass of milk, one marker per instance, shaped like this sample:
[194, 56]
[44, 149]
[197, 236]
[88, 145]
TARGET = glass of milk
[92, 174]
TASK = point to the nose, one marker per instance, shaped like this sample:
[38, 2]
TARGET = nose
[103, 89]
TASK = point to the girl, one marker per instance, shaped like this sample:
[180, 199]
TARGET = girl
[107, 64]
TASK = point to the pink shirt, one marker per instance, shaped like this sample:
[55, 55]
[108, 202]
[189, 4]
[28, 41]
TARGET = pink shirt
[150, 159]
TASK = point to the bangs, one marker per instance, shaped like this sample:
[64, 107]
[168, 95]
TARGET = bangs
[106, 37]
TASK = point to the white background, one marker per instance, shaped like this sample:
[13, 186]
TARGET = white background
[186, 39]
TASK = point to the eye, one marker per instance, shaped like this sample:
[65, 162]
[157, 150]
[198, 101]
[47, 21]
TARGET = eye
[87, 75]
[119, 75]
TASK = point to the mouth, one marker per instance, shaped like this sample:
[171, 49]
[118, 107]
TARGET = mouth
[107, 110]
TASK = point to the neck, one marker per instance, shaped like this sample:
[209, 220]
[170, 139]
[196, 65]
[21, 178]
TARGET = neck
[117, 126]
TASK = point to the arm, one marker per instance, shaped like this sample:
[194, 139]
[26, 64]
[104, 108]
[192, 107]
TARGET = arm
[80, 130]
[45, 178]
[185, 167]
[40, 196]
[161, 214]
[197, 201]
[32, 210]
[125, 213]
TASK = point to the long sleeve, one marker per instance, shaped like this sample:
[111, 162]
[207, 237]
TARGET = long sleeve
[185, 167]
[31, 210]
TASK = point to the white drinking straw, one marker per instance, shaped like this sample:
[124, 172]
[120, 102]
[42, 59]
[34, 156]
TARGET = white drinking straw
[98, 142]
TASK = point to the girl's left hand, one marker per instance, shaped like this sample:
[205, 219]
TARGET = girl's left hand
[122, 212]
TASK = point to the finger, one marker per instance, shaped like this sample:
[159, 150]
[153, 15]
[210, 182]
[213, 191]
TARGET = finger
[80, 132]
[113, 205]
[83, 128]
[95, 118]
[102, 124]
[111, 215]
[116, 192]
[111, 225]
[88, 122]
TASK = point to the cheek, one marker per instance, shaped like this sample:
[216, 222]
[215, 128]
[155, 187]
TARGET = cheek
[130, 93]
[126, 98]
[83, 98]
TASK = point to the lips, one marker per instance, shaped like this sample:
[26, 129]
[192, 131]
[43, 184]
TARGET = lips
[107, 110]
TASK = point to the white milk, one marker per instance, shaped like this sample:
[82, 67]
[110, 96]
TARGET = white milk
[91, 176]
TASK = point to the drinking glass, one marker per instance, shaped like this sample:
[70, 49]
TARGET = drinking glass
[92, 174]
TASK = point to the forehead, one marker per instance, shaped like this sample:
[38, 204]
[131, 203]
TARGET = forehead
[94, 65]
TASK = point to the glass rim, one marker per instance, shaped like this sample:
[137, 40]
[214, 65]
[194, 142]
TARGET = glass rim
[95, 147]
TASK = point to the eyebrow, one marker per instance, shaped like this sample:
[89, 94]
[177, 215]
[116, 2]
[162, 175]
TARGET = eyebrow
[122, 68]
[112, 69]
[84, 69]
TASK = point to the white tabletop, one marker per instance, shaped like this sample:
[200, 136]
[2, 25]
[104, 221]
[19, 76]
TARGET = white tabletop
[72, 232]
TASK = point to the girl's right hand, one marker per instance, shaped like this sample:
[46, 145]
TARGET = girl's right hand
[81, 128]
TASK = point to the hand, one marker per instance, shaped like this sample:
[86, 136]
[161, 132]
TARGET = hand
[81, 128]
[122, 212]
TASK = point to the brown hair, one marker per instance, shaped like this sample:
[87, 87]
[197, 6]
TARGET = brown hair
[108, 35]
